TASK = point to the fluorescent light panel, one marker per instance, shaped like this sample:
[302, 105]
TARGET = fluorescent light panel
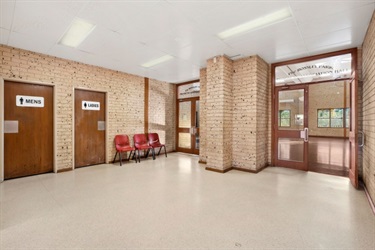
[157, 61]
[258, 23]
[78, 31]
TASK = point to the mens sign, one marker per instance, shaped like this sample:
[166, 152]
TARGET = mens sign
[87, 105]
[29, 101]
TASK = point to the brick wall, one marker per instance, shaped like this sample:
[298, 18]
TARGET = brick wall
[251, 113]
[125, 95]
[161, 112]
[203, 116]
[263, 116]
[237, 112]
[360, 110]
[219, 113]
[244, 113]
[368, 107]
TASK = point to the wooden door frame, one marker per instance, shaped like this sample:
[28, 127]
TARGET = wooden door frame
[106, 137]
[188, 151]
[177, 113]
[2, 112]
[352, 51]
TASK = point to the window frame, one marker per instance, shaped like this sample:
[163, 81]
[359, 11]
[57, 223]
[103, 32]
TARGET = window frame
[345, 120]
[290, 118]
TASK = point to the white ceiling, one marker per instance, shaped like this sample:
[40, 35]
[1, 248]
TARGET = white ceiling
[130, 33]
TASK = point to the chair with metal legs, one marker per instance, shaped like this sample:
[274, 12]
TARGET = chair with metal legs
[141, 143]
[153, 140]
[122, 144]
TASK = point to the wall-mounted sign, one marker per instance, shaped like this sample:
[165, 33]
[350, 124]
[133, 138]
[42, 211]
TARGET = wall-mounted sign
[29, 101]
[87, 105]
[189, 90]
[324, 69]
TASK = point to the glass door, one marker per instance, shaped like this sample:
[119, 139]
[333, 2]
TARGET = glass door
[188, 126]
[291, 127]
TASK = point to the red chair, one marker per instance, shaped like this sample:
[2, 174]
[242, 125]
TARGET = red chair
[141, 143]
[153, 140]
[122, 144]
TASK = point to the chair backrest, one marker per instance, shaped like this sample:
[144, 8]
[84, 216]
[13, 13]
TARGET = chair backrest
[153, 138]
[140, 139]
[121, 141]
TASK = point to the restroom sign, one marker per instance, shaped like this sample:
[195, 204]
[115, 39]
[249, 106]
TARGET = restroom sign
[87, 105]
[29, 101]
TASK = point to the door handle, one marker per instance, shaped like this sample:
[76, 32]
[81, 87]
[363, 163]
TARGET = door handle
[306, 139]
[363, 139]
[193, 130]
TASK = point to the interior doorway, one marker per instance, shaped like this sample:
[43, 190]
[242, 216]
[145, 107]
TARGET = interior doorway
[187, 118]
[315, 114]
[89, 129]
[188, 126]
[313, 127]
[28, 129]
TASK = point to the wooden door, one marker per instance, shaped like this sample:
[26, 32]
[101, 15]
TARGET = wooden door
[28, 129]
[188, 126]
[353, 133]
[291, 127]
[89, 137]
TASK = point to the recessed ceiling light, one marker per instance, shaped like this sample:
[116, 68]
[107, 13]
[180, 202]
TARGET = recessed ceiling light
[258, 23]
[157, 61]
[78, 31]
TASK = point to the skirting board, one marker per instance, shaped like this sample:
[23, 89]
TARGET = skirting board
[369, 198]
[235, 168]
[64, 170]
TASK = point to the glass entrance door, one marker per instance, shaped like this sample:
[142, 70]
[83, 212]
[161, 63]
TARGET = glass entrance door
[188, 126]
[291, 127]
[327, 142]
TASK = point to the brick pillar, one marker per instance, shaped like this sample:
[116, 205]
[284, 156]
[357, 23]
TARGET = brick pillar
[219, 114]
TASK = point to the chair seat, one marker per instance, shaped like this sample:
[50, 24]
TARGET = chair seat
[156, 144]
[143, 146]
[124, 148]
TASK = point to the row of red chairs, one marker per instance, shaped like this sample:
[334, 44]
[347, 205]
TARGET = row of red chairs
[122, 144]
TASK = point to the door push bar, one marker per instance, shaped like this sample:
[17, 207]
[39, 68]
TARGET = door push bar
[305, 134]
[363, 139]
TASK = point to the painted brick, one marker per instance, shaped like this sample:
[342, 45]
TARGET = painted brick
[236, 106]
[368, 108]
[162, 110]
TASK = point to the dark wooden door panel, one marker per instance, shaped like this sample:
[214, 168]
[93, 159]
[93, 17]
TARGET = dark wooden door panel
[89, 139]
[30, 151]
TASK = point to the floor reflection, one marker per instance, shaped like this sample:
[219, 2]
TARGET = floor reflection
[329, 155]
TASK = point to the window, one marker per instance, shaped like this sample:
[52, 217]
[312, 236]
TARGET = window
[333, 118]
[284, 118]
